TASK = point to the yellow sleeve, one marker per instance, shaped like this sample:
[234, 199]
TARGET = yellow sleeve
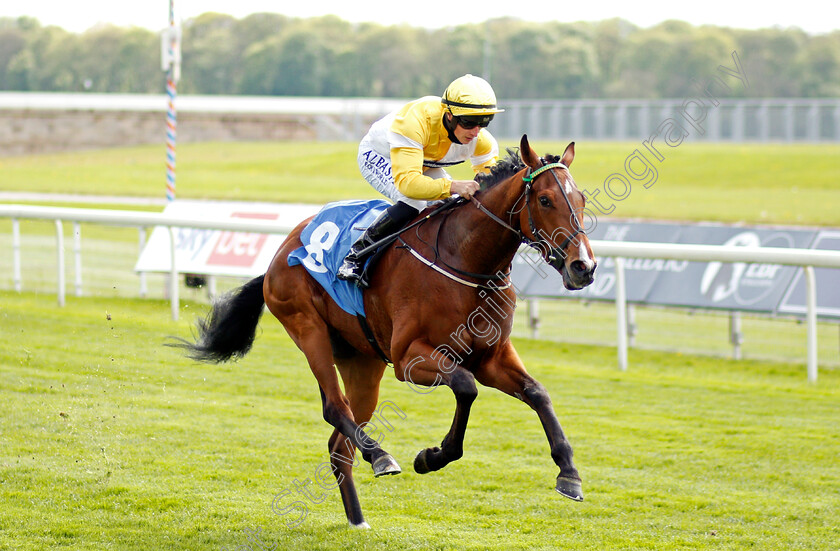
[407, 168]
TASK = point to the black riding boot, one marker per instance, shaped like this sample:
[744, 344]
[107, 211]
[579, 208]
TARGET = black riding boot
[353, 266]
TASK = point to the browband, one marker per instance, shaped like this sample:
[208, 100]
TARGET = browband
[530, 177]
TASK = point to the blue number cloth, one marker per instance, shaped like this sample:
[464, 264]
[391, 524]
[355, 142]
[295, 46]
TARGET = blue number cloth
[327, 240]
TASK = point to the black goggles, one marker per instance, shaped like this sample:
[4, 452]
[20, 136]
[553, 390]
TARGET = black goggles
[468, 122]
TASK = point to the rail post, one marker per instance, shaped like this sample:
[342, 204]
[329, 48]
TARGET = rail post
[16, 274]
[173, 275]
[59, 247]
[621, 312]
[77, 257]
[811, 317]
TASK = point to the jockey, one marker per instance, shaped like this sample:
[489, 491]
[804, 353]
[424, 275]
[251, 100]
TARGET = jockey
[404, 156]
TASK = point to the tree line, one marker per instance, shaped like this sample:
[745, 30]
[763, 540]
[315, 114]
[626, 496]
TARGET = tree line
[272, 54]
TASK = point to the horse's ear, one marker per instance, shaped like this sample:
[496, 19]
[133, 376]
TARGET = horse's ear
[529, 156]
[569, 154]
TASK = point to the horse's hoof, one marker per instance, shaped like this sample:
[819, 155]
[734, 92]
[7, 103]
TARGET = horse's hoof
[420, 464]
[385, 465]
[361, 526]
[570, 488]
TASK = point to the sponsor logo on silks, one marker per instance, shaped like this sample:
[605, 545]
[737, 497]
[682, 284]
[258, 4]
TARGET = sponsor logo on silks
[376, 162]
[724, 280]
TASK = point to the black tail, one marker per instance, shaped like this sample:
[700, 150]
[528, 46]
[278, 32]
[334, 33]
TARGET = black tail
[230, 328]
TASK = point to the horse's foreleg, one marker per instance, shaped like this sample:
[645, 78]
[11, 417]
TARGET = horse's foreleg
[568, 481]
[507, 373]
[423, 369]
[462, 383]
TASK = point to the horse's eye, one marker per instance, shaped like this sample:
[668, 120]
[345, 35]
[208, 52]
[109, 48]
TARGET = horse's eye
[545, 202]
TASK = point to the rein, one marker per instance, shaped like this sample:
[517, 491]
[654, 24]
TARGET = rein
[445, 205]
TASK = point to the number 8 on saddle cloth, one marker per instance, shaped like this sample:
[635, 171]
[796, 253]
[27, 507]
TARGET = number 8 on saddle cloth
[327, 240]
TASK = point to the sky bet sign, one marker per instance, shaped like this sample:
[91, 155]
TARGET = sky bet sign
[214, 252]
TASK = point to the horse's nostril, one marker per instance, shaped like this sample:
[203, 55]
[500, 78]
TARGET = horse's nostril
[578, 267]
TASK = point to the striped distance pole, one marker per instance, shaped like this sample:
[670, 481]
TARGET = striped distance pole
[171, 63]
[171, 137]
[171, 56]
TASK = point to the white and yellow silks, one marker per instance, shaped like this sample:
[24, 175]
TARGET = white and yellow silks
[416, 141]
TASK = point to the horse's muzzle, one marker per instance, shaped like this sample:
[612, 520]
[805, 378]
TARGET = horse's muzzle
[577, 274]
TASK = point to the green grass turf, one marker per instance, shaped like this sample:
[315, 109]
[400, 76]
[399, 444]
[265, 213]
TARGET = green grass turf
[109, 440]
[750, 183]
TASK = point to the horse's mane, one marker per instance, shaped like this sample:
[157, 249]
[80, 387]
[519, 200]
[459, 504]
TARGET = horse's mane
[506, 168]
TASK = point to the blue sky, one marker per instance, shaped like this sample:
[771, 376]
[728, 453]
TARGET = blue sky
[79, 15]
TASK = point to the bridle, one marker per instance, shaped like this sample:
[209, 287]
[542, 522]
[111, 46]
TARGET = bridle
[537, 242]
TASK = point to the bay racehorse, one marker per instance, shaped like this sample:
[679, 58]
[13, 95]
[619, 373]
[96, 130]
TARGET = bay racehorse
[439, 307]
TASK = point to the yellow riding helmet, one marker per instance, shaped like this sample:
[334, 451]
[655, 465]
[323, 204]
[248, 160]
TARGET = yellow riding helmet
[470, 96]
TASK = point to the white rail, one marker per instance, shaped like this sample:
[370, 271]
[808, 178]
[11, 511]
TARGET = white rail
[808, 259]
[140, 220]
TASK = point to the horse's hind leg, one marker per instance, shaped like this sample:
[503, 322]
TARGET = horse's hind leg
[315, 344]
[361, 378]
[288, 295]
[311, 335]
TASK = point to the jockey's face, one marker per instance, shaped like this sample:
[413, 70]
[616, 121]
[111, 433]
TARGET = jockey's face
[464, 135]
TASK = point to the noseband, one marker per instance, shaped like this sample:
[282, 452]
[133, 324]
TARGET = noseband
[538, 242]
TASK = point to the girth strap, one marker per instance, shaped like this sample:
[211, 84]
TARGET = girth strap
[371, 339]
